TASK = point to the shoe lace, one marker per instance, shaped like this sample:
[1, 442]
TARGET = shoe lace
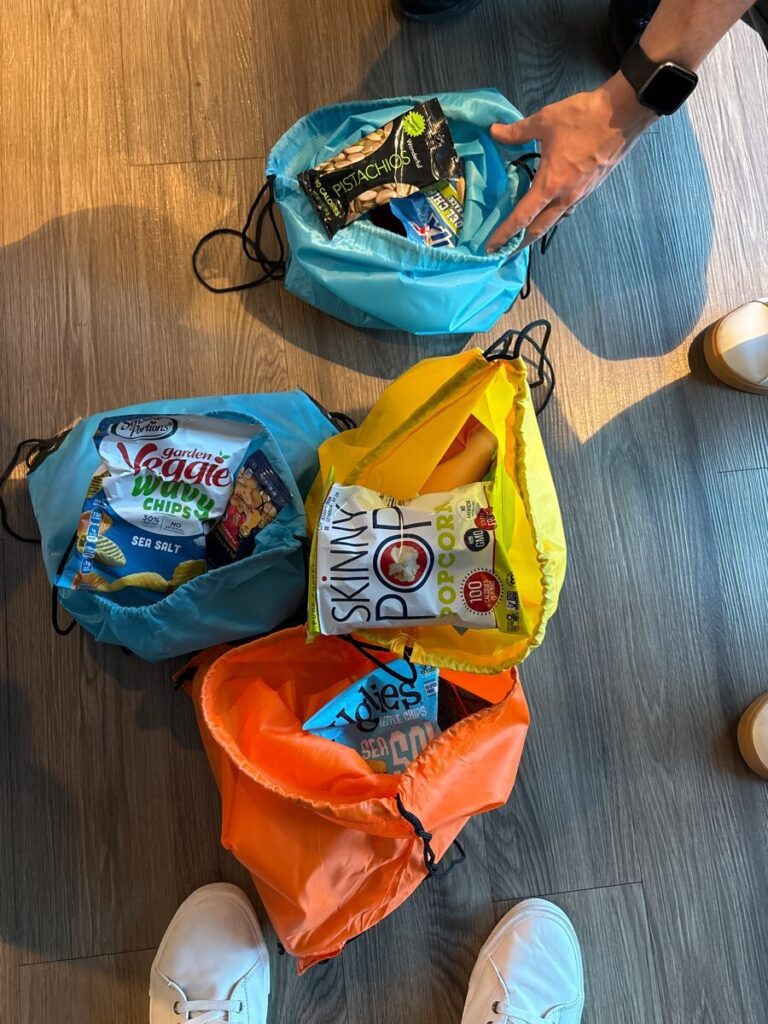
[511, 1015]
[207, 1011]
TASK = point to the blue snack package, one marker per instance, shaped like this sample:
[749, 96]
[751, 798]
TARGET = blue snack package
[435, 215]
[387, 720]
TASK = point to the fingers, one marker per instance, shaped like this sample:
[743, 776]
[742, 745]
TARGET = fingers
[546, 220]
[515, 134]
[536, 199]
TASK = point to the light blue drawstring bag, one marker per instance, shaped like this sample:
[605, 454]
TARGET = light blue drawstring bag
[371, 277]
[239, 600]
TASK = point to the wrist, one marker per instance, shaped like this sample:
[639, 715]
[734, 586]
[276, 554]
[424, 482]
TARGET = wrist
[628, 113]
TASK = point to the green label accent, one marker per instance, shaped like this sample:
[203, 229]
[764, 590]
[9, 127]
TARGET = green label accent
[414, 124]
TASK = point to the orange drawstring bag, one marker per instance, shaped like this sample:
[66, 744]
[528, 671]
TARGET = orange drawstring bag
[332, 845]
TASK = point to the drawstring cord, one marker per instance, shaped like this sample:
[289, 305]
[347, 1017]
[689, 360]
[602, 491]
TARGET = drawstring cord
[426, 838]
[61, 630]
[509, 346]
[523, 162]
[367, 651]
[341, 421]
[271, 269]
[430, 858]
[40, 448]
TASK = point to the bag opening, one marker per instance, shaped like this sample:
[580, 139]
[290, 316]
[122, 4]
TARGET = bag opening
[494, 182]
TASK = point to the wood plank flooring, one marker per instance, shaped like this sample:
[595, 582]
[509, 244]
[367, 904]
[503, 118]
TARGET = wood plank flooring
[130, 130]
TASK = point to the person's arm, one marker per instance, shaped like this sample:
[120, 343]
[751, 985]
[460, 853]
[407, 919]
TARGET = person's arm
[585, 136]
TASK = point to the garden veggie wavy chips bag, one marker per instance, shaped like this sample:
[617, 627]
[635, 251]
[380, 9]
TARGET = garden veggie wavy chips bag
[164, 481]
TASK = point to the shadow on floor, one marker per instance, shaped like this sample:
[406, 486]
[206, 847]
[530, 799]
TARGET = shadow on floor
[627, 274]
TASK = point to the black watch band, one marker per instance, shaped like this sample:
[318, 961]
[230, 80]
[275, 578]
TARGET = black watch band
[663, 87]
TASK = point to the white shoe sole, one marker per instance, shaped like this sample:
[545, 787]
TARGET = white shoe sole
[222, 889]
[717, 365]
[513, 917]
[744, 736]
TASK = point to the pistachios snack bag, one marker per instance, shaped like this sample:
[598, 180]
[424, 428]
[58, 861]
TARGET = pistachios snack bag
[388, 716]
[380, 563]
[163, 482]
[396, 160]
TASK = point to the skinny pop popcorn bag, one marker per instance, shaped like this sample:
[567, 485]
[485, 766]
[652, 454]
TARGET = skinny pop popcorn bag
[380, 563]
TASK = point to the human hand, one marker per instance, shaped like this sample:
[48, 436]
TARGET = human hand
[582, 139]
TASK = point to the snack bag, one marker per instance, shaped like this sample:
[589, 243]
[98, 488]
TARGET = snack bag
[401, 157]
[435, 215]
[379, 563]
[387, 721]
[162, 484]
[259, 495]
[470, 457]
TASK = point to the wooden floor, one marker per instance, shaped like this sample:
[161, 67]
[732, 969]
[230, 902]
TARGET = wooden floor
[129, 129]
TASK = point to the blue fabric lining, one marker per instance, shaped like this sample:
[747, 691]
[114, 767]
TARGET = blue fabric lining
[373, 278]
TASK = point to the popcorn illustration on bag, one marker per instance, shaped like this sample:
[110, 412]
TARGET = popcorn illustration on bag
[164, 481]
[382, 563]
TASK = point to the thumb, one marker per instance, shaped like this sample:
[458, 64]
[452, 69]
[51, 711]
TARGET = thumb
[515, 134]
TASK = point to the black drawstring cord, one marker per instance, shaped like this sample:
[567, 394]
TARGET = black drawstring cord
[524, 162]
[38, 444]
[426, 838]
[347, 423]
[61, 630]
[271, 269]
[41, 447]
[503, 348]
[367, 651]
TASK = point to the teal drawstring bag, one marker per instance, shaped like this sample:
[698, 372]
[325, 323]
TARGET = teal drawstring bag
[366, 275]
[243, 599]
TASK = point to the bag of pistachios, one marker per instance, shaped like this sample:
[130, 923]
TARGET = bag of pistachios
[344, 221]
[404, 155]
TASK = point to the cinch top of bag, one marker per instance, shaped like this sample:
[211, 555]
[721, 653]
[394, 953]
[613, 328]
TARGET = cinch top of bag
[399, 444]
[408, 286]
[244, 599]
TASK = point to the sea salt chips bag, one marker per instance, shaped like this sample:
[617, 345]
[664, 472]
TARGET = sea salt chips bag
[163, 482]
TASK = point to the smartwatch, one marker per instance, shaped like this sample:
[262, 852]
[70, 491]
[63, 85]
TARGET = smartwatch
[662, 87]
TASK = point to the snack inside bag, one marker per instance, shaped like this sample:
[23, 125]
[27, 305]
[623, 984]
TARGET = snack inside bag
[387, 720]
[433, 216]
[395, 160]
[434, 559]
[258, 497]
[162, 484]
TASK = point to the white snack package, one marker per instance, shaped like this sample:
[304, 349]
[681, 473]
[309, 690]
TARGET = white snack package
[163, 482]
[382, 563]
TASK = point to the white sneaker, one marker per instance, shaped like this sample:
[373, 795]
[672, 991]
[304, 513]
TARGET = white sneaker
[736, 347]
[528, 971]
[212, 965]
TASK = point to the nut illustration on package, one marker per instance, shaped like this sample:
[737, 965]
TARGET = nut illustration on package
[394, 161]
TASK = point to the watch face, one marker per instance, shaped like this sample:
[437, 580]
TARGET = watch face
[668, 88]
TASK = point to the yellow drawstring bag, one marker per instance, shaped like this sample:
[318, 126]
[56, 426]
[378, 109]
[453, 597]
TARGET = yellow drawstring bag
[406, 447]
